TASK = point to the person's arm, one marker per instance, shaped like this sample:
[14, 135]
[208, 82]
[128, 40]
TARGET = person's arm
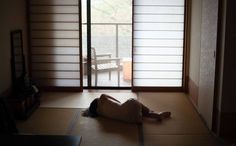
[109, 97]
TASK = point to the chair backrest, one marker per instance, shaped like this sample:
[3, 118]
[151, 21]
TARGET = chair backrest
[93, 53]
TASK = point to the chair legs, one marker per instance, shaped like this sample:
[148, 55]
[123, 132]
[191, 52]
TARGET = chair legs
[109, 75]
[118, 77]
[118, 71]
[96, 78]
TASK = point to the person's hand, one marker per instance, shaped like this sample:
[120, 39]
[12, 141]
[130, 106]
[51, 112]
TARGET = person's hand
[85, 113]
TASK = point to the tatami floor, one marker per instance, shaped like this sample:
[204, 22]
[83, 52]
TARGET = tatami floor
[184, 128]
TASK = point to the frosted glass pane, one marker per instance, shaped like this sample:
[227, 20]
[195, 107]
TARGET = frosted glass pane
[159, 26]
[158, 18]
[158, 51]
[54, 17]
[156, 75]
[157, 82]
[164, 43]
[53, 26]
[159, 59]
[55, 50]
[158, 43]
[55, 58]
[59, 82]
[158, 34]
[158, 67]
[55, 34]
[158, 10]
[160, 2]
[55, 42]
[54, 2]
[54, 9]
[53, 74]
[55, 66]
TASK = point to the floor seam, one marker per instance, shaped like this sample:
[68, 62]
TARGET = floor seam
[178, 134]
[140, 134]
[73, 122]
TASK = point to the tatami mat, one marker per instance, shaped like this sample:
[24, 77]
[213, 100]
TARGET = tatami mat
[60, 116]
[48, 121]
[184, 128]
[184, 118]
[181, 140]
[94, 132]
[106, 132]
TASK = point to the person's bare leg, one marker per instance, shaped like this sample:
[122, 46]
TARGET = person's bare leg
[151, 114]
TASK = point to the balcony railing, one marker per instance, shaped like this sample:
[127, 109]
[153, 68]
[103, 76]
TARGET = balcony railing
[117, 28]
[120, 36]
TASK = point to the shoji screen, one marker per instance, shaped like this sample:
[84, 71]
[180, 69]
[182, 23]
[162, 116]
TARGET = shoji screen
[158, 30]
[55, 37]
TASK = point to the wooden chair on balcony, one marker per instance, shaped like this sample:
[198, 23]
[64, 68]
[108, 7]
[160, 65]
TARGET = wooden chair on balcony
[104, 62]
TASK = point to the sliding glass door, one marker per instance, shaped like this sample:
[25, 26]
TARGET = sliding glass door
[158, 44]
[109, 36]
[145, 50]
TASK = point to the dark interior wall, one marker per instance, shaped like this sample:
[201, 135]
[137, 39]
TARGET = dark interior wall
[229, 70]
[12, 16]
[227, 96]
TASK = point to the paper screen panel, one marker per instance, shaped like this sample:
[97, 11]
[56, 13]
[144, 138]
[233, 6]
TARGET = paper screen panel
[55, 34]
[69, 67]
[54, 9]
[158, 43]
[54, 17]
[55, 42]
[55, 26]
[54, 2]
[57, 75]
[55, 50]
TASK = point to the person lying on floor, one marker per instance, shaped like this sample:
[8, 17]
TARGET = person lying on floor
[131, 111]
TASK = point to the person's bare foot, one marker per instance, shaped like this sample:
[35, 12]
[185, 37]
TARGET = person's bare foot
[164, 115]
[159, 116]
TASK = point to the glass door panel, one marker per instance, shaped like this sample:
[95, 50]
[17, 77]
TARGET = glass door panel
[111, 42]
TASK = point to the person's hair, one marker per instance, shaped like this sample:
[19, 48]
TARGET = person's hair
[93, 108]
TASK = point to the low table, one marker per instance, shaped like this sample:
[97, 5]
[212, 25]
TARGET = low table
[39, 140]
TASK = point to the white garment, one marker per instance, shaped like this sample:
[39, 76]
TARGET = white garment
[130, 111]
